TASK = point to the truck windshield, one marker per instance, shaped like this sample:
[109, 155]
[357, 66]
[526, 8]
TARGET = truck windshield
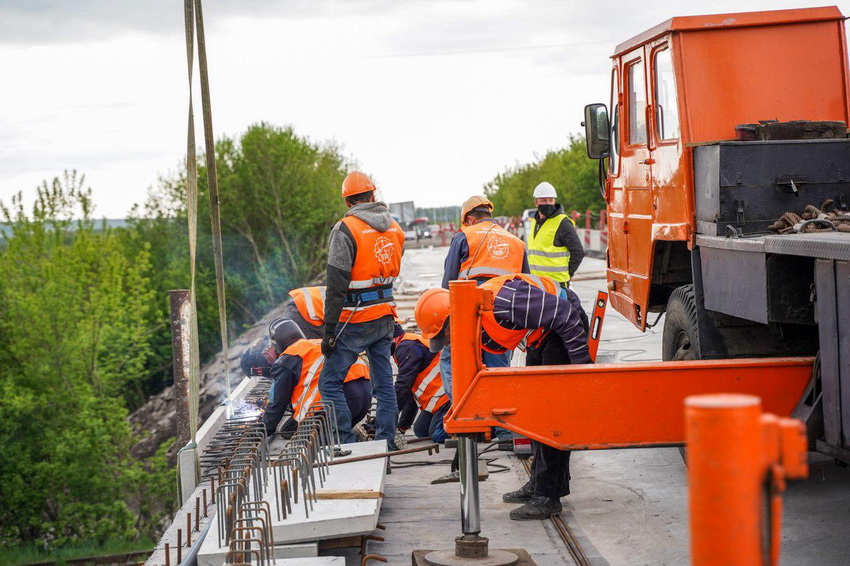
[637, 104]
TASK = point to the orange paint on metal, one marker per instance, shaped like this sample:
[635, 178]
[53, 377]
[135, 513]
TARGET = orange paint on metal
[734, 452]
[729, 69]
[467, 301]
[596, 320]
[597, 406]
[611, 405]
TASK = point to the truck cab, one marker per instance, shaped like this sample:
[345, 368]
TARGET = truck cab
[718, 126]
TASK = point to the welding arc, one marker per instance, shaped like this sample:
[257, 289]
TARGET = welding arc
[573, 547]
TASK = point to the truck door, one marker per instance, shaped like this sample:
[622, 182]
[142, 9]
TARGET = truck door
[636, 174]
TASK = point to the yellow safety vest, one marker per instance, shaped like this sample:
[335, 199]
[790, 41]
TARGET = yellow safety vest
[544, 257]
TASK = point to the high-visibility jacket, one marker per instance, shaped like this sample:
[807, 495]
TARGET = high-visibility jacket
[544, 257]
[376, 266]
[493, 251]
[306, 391]
[506, 337]
[310, 302]
[428, 390]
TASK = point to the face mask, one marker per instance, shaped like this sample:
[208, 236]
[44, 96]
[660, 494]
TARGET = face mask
[546, 209]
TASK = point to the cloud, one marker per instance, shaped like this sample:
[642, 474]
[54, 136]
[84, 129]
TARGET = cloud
[67, 21]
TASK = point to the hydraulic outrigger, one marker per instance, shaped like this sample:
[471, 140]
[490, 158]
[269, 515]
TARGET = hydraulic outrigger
[591, 407]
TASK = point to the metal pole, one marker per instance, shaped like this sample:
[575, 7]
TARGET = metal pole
[181, 356]
[470, 510]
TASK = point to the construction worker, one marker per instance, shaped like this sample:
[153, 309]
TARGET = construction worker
[307, 309]
[418, 385]
[261, 353]
[364, 258]
[538, 311]
[296, 375]
[480, 250]
[554, 248]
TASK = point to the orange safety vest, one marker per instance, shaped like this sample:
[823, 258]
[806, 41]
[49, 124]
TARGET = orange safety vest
[310, 302]
[507, 338]
[306, 391]
[428, 387]
[493, 251]
[376, 266]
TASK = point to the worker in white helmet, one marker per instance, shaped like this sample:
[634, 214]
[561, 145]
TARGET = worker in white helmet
[554, 248]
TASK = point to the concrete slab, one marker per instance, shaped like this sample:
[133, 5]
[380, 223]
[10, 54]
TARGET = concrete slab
[336, 518]
[329, 518]
[213, 556]
[320, 561]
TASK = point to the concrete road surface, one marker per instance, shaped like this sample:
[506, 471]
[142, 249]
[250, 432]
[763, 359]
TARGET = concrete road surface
[627, 507]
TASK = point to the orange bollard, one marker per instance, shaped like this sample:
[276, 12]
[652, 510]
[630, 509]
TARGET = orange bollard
[467, 302]
[734, 454]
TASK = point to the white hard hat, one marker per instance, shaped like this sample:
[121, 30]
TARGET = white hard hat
[545, 190]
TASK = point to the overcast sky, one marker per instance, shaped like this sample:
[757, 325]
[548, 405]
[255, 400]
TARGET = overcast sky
[432, 98]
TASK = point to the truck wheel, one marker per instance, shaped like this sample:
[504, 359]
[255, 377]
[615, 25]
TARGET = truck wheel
[680, 340]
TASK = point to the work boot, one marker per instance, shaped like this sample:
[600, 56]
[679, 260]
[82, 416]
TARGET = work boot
[538, 507]
[521, 495]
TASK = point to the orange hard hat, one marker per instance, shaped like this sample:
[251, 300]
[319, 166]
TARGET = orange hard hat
[356, 183]
[431, 311]
[473, 203]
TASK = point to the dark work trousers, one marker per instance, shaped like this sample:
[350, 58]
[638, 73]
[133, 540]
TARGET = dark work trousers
[431, 424]
[550, 467]
[358, 397]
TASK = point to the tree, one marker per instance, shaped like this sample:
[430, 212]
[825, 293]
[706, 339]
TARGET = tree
[71, 343]
[573, 174]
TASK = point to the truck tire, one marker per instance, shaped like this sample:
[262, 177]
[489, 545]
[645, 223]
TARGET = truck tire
[680, 340]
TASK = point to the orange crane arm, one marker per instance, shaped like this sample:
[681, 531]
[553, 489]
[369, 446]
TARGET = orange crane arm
[598, 406]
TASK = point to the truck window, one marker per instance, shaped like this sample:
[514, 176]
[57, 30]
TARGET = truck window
[666, 106]
[614, 155]
[637, 104]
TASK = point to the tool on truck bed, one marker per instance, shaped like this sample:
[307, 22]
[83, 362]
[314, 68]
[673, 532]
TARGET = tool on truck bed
[827, 218]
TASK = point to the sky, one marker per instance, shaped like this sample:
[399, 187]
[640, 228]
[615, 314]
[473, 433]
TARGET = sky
[431, 98]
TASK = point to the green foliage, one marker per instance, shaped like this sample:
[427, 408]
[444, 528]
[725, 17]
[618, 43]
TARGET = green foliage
[84, 326]
[279, 198]
[74, 307]
[31, 552]
[572, 173]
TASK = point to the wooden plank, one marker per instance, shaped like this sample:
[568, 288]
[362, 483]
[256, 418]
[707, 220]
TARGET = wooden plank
[341, 494]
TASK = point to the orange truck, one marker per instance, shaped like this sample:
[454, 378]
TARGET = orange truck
[725, 165]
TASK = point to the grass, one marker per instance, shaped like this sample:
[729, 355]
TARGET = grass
[32, 553]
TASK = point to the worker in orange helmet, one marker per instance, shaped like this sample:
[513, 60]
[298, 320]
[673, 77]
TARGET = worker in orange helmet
[295, 375]
[481, 250]
[364, 258]
[419, 385]
[307, 309]
[535, 311]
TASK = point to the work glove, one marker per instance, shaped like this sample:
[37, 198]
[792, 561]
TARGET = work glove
[328, 344]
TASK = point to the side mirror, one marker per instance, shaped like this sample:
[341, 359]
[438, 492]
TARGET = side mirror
[596, 131]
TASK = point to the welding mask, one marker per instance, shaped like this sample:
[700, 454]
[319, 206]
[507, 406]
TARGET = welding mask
[284, 333]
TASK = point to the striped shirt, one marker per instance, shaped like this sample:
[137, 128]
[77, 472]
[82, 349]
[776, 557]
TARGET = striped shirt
[520, 306]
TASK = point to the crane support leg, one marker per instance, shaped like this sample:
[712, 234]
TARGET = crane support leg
[603, 406]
